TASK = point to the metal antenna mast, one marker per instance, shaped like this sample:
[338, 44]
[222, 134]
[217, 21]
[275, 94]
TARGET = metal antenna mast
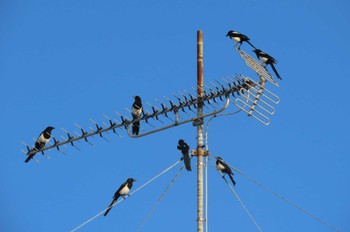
[199, 122]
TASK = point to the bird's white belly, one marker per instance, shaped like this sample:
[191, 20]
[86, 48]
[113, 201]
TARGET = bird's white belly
[124, 190]
[237, 39]
[136, 112]
[263, 59]
[42, 139]
[220, 167]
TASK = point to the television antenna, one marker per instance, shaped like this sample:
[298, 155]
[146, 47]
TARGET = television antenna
[185, 106]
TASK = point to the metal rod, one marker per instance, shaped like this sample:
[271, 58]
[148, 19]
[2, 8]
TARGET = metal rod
[181, 122]
[200, 151]
[126, 121]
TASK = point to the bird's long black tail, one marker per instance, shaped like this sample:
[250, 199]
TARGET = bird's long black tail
[274, 69]
[29, 157]
[251, 44]
[109, 207]
[187, 162]
[135, 128]
[233, 181]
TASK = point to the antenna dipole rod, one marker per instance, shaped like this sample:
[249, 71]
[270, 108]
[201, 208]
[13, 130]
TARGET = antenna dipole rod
[200, 151]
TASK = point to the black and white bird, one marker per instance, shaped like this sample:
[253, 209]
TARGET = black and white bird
[122, 191]
[40, 143]
[184, 148]
[224, 168]
[239, 38]
[136, 112]
[267, 59]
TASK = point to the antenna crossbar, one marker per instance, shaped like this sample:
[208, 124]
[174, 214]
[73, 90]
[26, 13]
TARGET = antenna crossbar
[186, 102]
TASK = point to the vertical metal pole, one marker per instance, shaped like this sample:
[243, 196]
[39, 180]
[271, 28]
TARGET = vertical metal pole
[200, 151]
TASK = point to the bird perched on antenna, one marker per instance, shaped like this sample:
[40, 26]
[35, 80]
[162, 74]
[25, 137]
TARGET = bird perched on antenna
[136, 112]
[184, 148]
[222, 166]
[40, 143]
[267, 59]
[123, 191]
[239, 38]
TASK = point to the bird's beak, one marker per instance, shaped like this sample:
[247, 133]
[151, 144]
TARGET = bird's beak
[134, 97]
[133, 180]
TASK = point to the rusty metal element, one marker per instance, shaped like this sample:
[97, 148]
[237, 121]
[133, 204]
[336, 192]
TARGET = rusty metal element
[200, 150]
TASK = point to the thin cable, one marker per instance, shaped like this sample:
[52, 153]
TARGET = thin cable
[245, 208]
[159, 200]
[256, 182]
[215, 116]
[287, 200]
[206, 169]
[283, 198]
[206, 194]
[239, 200]
[139, 188]
[155, 177]
[209, 121]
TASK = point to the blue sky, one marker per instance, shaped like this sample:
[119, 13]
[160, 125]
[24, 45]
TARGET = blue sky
[63, 62]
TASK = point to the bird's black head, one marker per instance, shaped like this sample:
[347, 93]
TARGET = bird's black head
[130, 180]
[219, 158]
[49, 128]
[137, 99]
[181, 141]
[229, 33]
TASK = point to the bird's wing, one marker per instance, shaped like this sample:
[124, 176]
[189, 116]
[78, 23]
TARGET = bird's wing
[226, 167]
[244, 37]
[42, 139]
[124, 190]
[187, 161]
[273, 60]
[121, 186]
[270, 58]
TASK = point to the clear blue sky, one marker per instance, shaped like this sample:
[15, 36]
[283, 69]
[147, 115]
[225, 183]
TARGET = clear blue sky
[63, 62]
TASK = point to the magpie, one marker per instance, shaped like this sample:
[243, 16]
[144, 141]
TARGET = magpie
[136, 112]
[184, 148]
[40, 143]
[122, 191]
[224, 168]
[239, 38]
[267, 59]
